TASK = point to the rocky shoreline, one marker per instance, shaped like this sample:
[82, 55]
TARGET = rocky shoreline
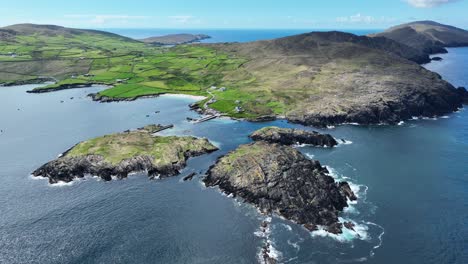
[63, 87]
[105, 99]
[286, 136]
[388, 112]
[372, 113]
[173, 152]
[278, 179]
[30, 81]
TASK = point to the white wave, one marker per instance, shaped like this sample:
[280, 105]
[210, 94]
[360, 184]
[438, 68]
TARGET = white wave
[38, 177]
[62, 184]
[360, 232]
[344, 142]
[259, 233]
[295, 245]
[380, 237]
[309, 155]
[331, 127]
[358, 189]
[351, 209]
[287, 227]
[415, 118]
[445, 117]
[401, 123]
[274, 253]
[429, 118]
[352, 124]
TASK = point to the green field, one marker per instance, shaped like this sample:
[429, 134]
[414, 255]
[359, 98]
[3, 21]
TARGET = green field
[131, 68]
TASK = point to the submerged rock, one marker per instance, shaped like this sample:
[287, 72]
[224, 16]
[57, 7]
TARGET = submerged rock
[287, 136]
[118, 155]
[279, 179]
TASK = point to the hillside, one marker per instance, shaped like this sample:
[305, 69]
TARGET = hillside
[175, 39]
[333, 77]
[320, 78]
[427, 36]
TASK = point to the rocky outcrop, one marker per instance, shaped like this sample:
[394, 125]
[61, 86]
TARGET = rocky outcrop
[288, 136]
[436, 99]
[119, 155]
[28, 81]
[463, 93]
[62, 87]
[279, 179]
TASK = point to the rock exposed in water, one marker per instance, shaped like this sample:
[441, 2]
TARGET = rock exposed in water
[279, 179]
[287, 136]
[189, 177]
[463, 93]
[124, 153]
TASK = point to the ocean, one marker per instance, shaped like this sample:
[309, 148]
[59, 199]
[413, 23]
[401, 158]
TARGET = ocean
[411, 179]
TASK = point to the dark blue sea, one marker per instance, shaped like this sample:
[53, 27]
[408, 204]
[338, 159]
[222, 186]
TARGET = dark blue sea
[411, 179]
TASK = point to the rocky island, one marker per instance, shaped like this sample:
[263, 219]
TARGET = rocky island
[175, 39]
[120, 154]
[279, 179]
[288, 136]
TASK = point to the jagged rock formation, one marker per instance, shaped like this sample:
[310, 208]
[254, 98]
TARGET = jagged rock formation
[288, 136]
[124, 153]
[279, 179]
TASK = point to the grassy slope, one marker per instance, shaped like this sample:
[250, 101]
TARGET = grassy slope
[330, 73]
[118, 147]
[94, 57]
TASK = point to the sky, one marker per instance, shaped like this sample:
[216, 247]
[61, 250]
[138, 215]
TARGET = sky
[240, 14]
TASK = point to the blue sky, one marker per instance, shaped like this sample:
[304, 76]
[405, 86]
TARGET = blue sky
[255, 14]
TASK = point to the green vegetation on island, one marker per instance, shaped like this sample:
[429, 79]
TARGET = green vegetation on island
[123, 153]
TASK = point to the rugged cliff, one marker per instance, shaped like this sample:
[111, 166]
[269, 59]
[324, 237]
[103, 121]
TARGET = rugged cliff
[279, 179]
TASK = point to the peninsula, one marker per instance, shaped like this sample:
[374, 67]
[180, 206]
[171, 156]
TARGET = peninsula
[318, 78]
[175, 39]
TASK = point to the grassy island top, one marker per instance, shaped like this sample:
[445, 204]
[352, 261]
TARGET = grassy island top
[165, 150]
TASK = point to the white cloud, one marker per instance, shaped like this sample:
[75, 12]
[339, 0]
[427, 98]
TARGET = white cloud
[363, 19]
[429, 3]
[105, 19]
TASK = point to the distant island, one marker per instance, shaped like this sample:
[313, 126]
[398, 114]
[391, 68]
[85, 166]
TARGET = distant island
[318, 78]
[427, 36]
[175, 39]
